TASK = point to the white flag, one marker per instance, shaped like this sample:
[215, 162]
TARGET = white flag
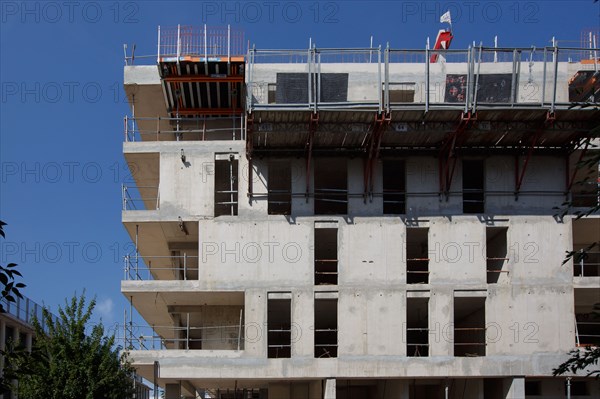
[446, 17]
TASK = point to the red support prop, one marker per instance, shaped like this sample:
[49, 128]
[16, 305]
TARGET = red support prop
[549, 121]
[447, 152]
[379, 126]
[583, 152]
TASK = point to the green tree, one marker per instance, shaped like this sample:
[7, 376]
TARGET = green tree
[8, 293]
[587, 358]
[10, 288]
[67, 363]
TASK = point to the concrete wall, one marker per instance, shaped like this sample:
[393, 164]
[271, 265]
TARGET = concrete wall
[364, 78]
[187, 189]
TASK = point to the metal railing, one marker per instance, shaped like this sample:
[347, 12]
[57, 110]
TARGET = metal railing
[26, 310]
[140, 198]
[587, 332]
[179, 267]
[182, 129]
[477, 77]
[414, 270]
[137, 337]
[417, 349]
[586, 264]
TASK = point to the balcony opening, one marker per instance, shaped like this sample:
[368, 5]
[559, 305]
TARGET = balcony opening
[493, 388]
[359, 389]
[326, 322]
[578, 388]
[226, 184]
[240, 393]
[279, 325]
[394, 187]
[331, 186]
[533, 388]
[586, 261]
[279, 188]
[469, 326]
[184, 264]
[585, 191]
[417, 252]
[417, 327]
[496, 254]
[587, 317]
[473, 186]
[271, 93]
[210, 326]
[326, 256]
[402, 92]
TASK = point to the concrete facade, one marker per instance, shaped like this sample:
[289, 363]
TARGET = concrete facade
[235, 299]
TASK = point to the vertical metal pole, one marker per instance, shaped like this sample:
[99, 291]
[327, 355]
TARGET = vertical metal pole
[205, 46]
[310, 77]
[185, 266]
[231, 186]
[595, 55]
[131, 320]
[469, 78]
[514, 78]
[555, 56]
[158, 46]
[125, 329]
[427, 83]
[178, 43]
[496, 46]
[544, 77]
[317, 83]
[125, 268]
[240, 330]
[228, 44]
[137, 227]
[568, 387]
[446, 390]
[387, 78]
[187, 335]
[379, 78]
[477, 78]
[126, 129]
[581, 261]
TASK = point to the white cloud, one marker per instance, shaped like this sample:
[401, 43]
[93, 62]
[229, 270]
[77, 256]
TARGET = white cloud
[104, 307]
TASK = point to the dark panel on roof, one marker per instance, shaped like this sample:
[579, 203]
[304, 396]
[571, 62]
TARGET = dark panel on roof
[292, 88]
[334, 87]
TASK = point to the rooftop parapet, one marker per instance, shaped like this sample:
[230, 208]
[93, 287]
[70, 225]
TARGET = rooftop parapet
[402, 79]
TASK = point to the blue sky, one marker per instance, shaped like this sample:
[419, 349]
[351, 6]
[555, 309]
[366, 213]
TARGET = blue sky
[62, 104]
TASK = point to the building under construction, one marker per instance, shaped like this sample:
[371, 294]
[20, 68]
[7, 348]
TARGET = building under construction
[373, 223]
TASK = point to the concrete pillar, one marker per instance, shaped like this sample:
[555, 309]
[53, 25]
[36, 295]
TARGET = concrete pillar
[172, 391]
[29, 341]
[303, 338]
[330, 388]
[514, 388]
[441, 320]
[255, 321]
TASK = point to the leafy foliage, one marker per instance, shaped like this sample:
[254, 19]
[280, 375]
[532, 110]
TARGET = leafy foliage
[582, 359]
[67, 363]
[10, 288]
